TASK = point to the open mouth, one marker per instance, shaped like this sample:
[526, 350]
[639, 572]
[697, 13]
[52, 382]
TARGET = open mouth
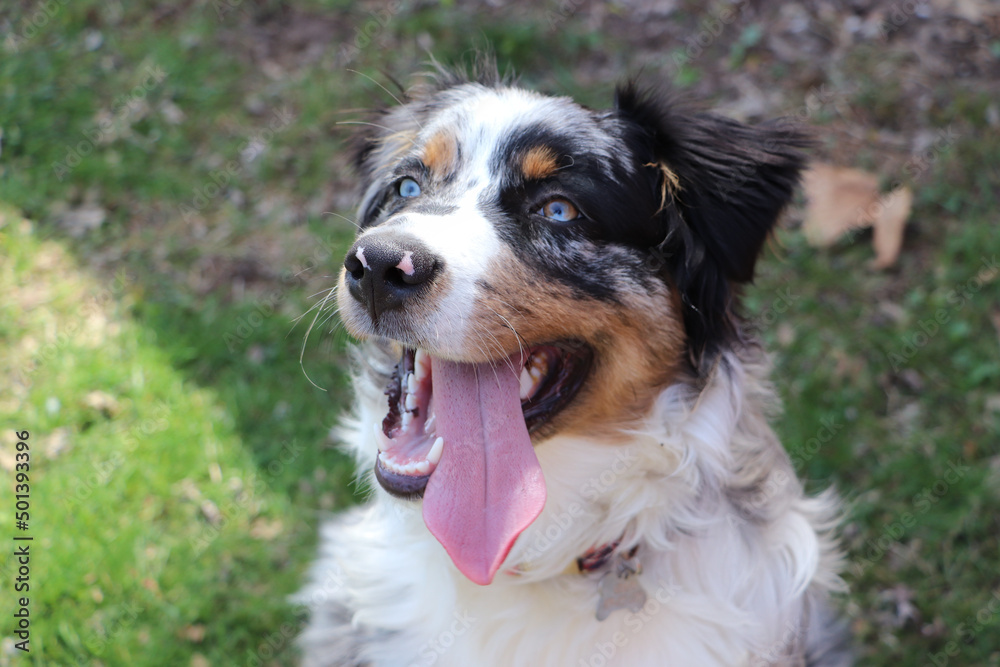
[410, 444]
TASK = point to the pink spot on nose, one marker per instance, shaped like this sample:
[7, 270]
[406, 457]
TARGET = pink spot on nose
[406, 264]
[361, 258]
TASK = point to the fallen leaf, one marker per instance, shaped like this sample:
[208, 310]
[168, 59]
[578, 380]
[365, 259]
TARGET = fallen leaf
[972, 11]
[888, 226]
[844, 200]
[838, 201]
[262, 529]
[102, 402]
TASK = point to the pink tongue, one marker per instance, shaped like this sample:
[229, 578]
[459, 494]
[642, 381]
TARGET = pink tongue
[488, 486]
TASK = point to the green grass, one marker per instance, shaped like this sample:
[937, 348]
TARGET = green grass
[181, 450]
[158, 529]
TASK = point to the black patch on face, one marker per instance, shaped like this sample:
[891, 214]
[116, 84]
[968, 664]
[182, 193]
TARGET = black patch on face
[596, 255]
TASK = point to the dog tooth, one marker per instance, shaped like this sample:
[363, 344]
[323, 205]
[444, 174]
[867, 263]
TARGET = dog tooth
[411, 401]
[406, 419]
[429, 424]
[434, 455]
[421, 364]
[411, 383]
[423, 467]
[526, 383]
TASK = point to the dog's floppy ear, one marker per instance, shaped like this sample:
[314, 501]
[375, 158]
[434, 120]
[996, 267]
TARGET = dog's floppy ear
[721, 186]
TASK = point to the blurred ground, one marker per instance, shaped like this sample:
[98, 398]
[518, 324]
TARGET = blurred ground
[182, 168]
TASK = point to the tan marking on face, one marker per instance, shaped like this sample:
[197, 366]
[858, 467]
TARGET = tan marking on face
[538, 163]
[638, 344]
[441, 153]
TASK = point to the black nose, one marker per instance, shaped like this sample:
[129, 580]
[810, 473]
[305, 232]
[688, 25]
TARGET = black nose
[385, 271]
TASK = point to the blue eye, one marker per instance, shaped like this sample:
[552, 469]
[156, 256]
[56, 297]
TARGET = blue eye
[559, 210]
[408, 188]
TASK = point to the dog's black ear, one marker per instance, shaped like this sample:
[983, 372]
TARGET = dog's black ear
[721, 186]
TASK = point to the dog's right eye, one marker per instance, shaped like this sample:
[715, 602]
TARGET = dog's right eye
[409, 188]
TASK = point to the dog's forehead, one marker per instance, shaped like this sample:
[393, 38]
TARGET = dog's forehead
[488, 124]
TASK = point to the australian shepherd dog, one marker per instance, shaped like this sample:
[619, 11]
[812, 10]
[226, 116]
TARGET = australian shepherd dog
[562, 417]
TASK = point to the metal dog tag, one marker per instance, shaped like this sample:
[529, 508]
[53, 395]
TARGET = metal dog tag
[619, 588]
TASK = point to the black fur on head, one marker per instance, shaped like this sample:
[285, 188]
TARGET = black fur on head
[723, 184]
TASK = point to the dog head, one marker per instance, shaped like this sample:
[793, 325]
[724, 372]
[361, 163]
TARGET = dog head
[542, 268]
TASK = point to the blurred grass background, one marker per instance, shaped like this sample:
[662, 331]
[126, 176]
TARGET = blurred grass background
[172, 178]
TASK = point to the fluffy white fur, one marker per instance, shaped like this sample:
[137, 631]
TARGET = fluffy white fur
[733, 578]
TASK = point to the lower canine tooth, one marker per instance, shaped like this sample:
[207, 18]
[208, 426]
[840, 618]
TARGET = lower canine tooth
[434, 455]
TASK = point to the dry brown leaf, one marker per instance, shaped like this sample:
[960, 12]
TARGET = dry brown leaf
[888, 223]
[842, 200]
[839, 200]
[972, 11]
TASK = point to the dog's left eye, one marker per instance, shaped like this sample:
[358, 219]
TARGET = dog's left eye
[559, 210]
[409, 188]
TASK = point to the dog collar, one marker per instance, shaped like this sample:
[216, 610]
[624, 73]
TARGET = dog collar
[597, 557]
[619, 587]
